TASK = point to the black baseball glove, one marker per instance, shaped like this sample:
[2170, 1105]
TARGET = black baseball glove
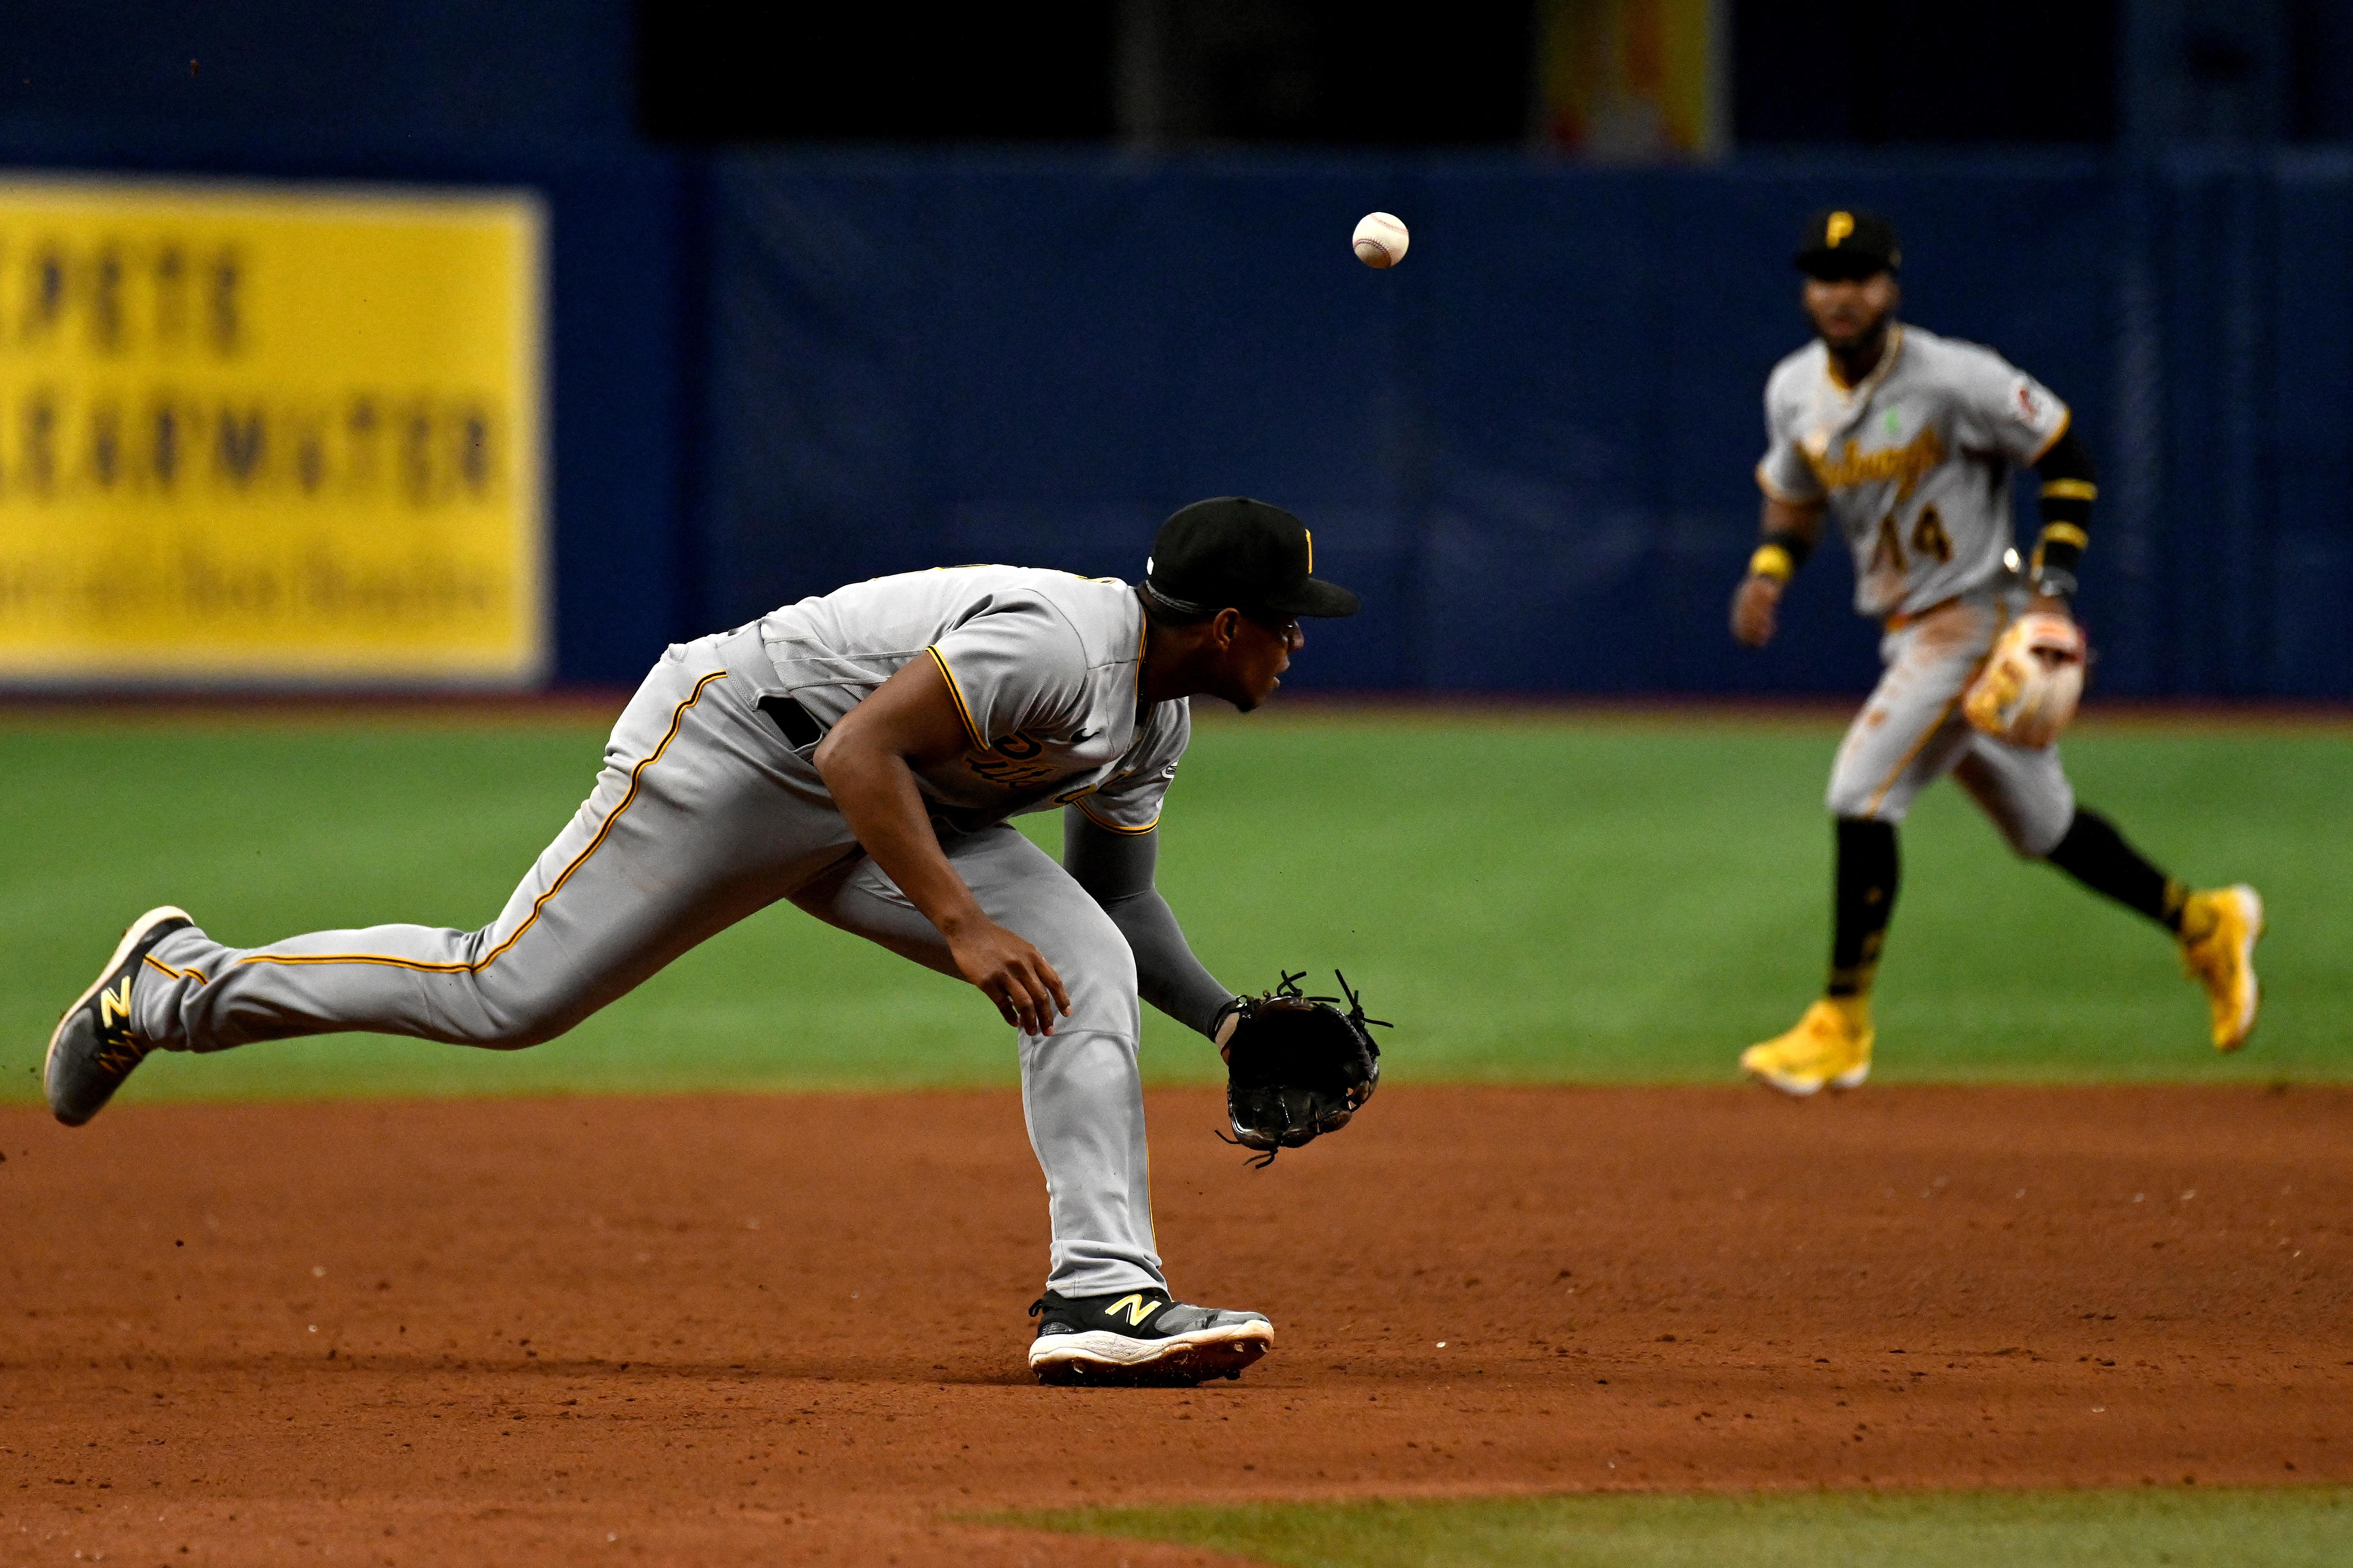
[1297, 1067]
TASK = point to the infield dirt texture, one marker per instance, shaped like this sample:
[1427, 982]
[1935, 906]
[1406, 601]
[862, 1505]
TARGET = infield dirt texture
[734, 1327]
[788, 1328]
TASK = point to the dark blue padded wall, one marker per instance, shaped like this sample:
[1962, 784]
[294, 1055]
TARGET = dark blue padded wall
[1596, 362]
[2307, 521]
[915, 364]
[2245, 583]
[1529, 447]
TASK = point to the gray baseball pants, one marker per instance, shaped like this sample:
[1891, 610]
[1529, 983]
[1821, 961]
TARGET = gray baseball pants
[1911, 733]
[703, 815]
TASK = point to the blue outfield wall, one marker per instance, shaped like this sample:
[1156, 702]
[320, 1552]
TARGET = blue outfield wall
[1530, 446]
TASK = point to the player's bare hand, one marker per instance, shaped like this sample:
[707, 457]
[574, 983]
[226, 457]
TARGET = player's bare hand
[1011, 973]
[1224, 1037]
[1753, 604]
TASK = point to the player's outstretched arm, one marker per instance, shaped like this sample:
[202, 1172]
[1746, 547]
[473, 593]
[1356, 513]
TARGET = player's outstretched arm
[869, 762]
[1116, 870]
[1790, 529]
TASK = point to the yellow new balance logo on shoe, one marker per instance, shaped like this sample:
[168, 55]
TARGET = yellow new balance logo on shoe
[1137, 1308]
[112, 1005]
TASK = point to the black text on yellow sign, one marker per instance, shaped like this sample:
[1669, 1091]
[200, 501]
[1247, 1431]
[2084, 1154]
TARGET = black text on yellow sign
[269, 434]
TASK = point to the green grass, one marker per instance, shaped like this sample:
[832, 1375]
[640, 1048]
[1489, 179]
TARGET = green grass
[1530, 899]
[2301, 1528]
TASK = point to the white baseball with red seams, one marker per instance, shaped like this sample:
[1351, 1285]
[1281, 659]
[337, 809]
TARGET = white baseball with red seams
[1380, 240]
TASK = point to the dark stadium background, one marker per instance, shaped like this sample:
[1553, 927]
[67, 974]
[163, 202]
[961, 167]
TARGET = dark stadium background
[837, 293]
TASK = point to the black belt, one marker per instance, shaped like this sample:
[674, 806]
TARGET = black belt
[801, 731]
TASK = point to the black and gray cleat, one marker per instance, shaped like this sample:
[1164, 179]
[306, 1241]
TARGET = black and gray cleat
[1140, 1339]
[95, 1046]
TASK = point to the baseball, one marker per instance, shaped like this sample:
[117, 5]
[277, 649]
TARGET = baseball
[1380, 240]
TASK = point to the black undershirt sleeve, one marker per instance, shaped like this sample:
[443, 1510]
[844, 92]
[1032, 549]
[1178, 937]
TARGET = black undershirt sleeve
[1115, 869]
[2070, 486]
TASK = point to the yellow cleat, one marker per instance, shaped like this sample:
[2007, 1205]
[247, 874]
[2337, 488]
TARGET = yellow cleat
[1830, 1046]
[2218, 928]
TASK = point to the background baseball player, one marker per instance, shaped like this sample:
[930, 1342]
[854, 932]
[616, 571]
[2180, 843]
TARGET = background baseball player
[858, 753]
[1909, 440]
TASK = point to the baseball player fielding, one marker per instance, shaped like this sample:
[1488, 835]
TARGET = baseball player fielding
[1908, 441]
[859, 755]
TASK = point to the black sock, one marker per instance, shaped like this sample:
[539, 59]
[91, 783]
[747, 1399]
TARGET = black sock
[2096, 855]
[1863, 898]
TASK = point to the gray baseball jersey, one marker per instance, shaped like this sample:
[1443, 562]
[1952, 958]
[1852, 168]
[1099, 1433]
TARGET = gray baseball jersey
[1913, 462]
[1043, 667]
[706, 812]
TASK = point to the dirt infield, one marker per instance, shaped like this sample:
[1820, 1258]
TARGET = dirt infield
[789, 1329]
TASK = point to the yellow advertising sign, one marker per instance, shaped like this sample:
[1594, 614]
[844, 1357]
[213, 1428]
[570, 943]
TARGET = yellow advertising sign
[269, 434]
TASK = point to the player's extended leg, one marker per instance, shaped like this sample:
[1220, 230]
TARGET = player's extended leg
[701, 815]
[1830, 1048]
[1082, 1090]
[1866, 873]
[1107, 1315]
[1908, 734]
[2027, 795]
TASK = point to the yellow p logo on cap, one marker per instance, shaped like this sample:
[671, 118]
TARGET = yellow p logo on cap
[1840, 226]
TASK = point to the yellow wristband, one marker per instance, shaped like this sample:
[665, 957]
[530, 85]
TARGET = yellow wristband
[1771, 561]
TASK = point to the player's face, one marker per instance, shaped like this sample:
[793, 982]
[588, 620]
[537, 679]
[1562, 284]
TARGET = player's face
[1850, 311]
[1256, 655]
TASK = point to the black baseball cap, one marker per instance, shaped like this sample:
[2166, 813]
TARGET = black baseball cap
[1233, 552]
[1842, 243]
